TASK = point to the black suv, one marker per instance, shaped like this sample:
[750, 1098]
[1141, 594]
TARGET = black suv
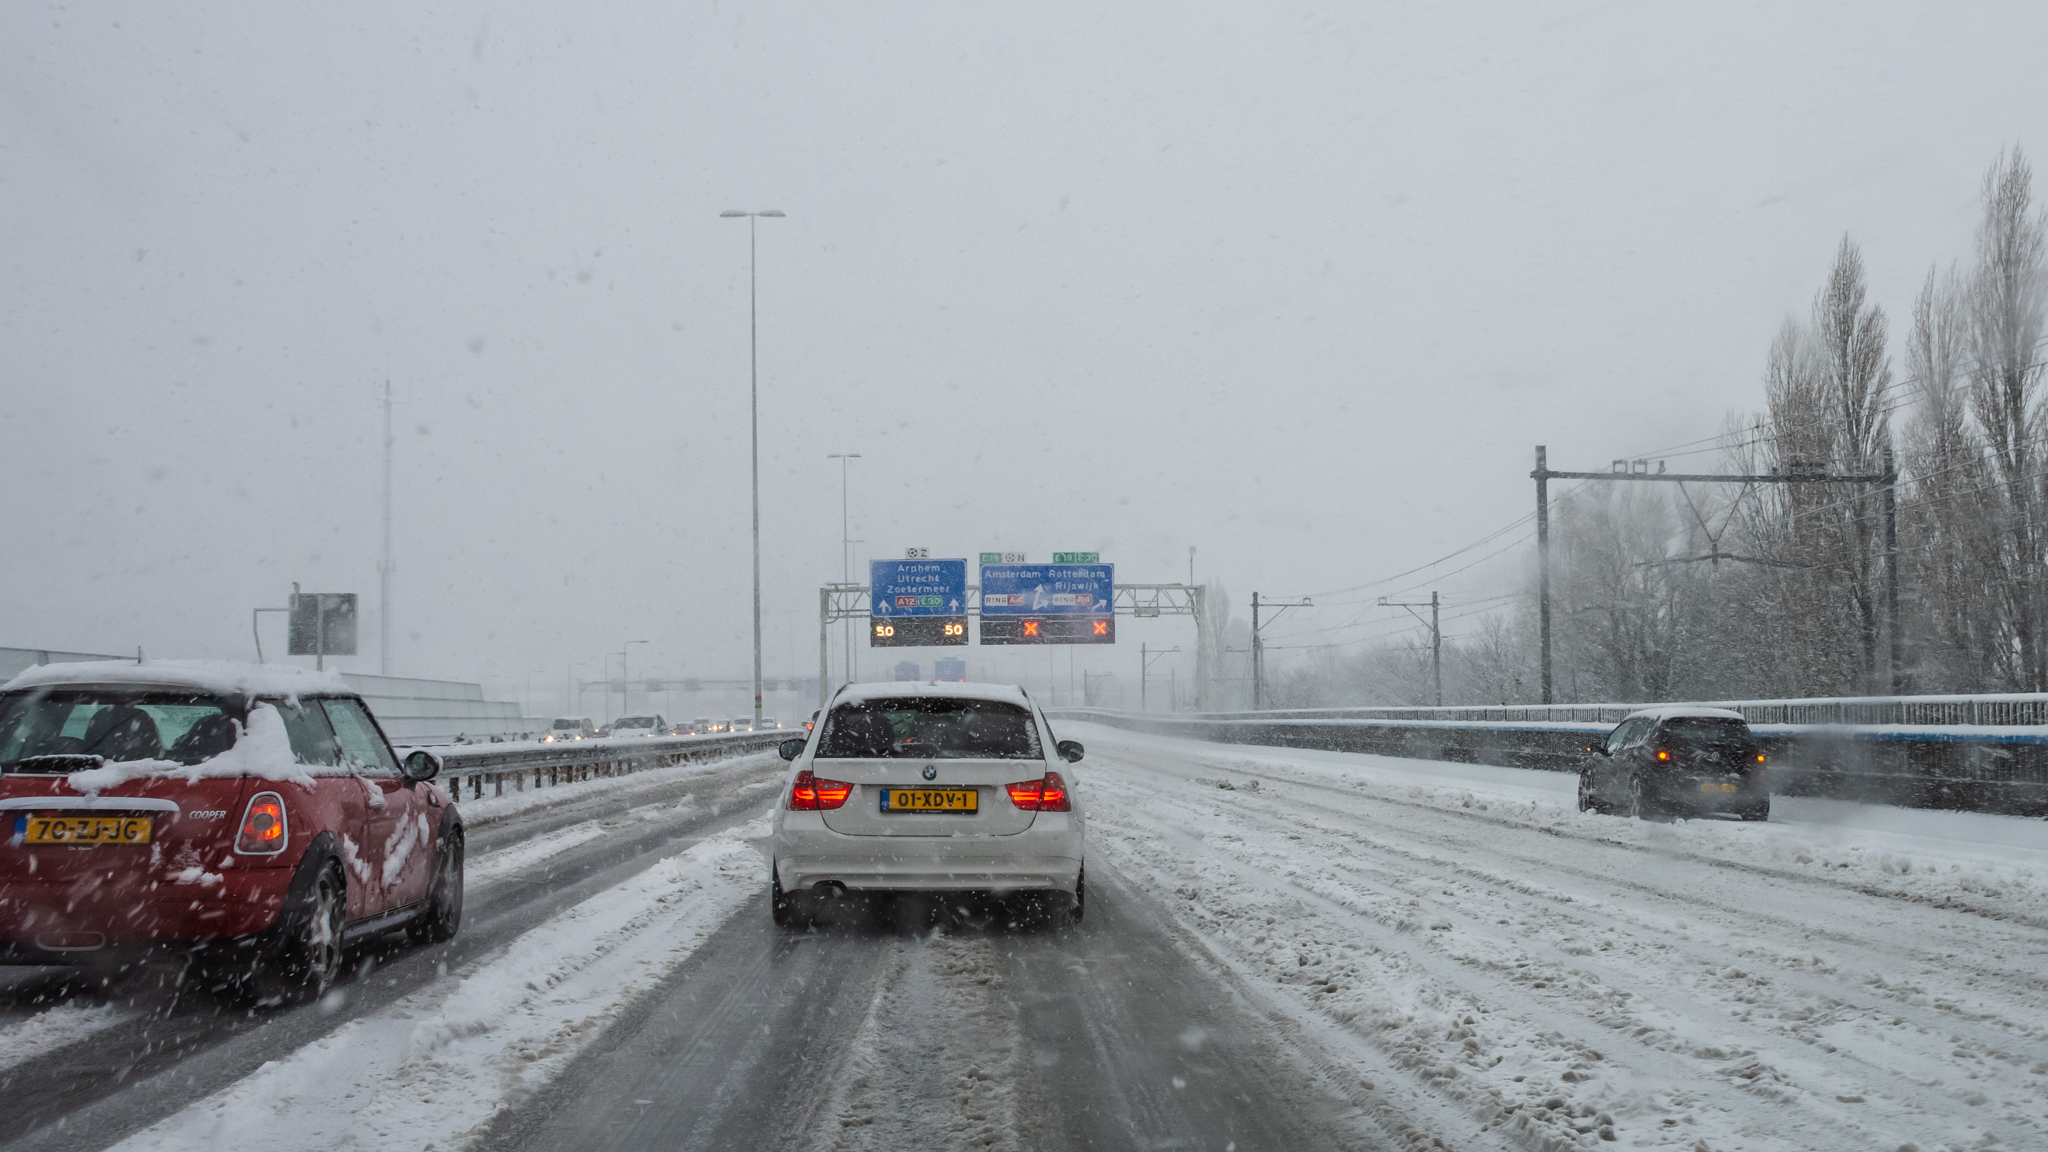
[1673, 762]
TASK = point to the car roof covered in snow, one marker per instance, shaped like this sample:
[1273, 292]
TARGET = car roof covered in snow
[214, 677]
[935, 689]
[1671, 711]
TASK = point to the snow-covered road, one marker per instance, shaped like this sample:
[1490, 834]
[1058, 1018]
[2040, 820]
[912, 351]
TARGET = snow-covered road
[1845, 978]
[1284, 949]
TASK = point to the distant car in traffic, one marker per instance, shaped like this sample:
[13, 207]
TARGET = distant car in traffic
[956, 788]
[1663, 763]
[741, 724]
[707, 725]
[770, 723]
[570, 728]
[251, 817]
[639, 726]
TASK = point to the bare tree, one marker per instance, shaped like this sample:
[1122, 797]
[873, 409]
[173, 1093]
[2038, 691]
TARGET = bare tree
[2006, 305]
[1953, 565]
[1854, 376]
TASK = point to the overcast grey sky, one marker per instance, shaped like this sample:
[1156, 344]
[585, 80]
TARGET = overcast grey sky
[1300, 286]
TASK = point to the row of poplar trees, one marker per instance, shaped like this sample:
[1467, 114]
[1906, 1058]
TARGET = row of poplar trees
[1663, 592]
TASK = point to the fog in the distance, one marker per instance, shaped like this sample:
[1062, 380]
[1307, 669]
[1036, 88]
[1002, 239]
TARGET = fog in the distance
[1300, 289]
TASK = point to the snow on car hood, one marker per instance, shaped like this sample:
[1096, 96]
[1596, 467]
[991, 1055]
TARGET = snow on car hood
[261, 749]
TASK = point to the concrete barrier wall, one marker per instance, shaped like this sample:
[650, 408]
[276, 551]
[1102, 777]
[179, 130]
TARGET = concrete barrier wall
[412, 711]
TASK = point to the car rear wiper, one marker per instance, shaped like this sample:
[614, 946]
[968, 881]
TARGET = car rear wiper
[54, 763]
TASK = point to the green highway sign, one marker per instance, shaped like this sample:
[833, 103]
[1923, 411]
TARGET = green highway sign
[1076, 558]
[1002, 558]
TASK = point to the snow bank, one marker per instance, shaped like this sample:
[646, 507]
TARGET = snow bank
[493, 808]
[433, 1069]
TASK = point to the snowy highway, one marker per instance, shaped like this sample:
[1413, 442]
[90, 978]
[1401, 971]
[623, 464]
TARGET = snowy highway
[1282, 949]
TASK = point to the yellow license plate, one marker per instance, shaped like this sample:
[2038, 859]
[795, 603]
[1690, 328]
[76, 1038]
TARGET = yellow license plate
[930, 800]
[87, 829]
[1716, 786]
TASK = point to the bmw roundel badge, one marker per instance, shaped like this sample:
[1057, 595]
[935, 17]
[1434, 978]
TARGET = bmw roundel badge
[931, 773]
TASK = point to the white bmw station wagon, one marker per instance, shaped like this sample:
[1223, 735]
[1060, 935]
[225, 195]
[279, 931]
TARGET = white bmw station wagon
[956, 788]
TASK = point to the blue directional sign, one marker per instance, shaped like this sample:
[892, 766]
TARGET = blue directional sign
[1048, 604]
[1048, 589]
[917, 587]
[917, 603]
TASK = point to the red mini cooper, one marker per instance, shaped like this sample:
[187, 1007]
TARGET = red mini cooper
[251, 816]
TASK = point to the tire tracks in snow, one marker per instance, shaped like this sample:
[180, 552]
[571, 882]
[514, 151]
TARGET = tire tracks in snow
[936, 1060]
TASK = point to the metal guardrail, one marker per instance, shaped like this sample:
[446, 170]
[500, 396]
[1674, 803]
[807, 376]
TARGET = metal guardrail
[494, 766]
[1996, 709]
[1953, 766]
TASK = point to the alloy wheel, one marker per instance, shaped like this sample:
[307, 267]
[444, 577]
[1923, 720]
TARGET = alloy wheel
[323, 934]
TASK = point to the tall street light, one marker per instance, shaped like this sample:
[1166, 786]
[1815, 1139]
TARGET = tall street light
[572, 700]
[845, 548]
[754, 428]
[626, 680]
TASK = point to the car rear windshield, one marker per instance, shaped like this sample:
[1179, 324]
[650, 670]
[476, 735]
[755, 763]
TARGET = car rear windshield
[1708, 732]
[58, 731]
[930, 728]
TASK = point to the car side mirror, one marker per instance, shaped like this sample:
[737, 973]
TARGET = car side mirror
[420, 767]
[1071, 751]
[790, 749]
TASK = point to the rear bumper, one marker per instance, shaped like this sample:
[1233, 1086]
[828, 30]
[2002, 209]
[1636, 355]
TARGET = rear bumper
[1685, 792]
[1045, 857]
[930, 874]
[217, 905]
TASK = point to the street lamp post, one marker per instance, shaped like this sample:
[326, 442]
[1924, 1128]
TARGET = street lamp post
[1145, 660]
[572, 700]
[626, 680]
[754, 427]
[845, 548]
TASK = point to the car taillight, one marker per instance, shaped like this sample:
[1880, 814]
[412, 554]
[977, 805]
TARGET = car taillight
[815, 794]
[263, 828]
[1759, 757]
[1663, 755]
[1048, 794]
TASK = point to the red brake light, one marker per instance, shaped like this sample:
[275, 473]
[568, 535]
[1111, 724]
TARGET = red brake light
[813, 794]
[263, 826]
[1663, 755]
[1044, 795]
[1759, 757]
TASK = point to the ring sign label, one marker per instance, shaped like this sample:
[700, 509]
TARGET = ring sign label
[917, 603]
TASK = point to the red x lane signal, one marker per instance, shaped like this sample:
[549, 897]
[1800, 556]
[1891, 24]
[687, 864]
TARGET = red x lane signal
[1102, 627]
[1031, 627]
